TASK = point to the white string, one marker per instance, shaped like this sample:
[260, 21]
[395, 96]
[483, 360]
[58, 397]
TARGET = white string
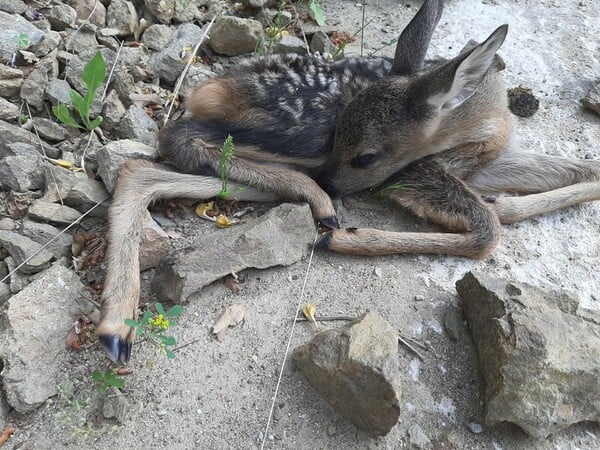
[289, 343]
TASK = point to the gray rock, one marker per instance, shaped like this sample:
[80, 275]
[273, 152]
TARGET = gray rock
[417, 438]
[11, 81]
[49, 42]
[453, 324]
[154, 244]
[257, 4]
[280, 237]
[169, 63]
[113, 111]
[122, 16]
[234, 36]
[18, 280]
[75, 189]
[58, 92]
[34, 326]
[116, 406]
[539, 359]
[189, 12]
[91, 10]
[10, 134]
[6, 223]
[21, 173]
[32, 90]
[592, 99]
[355, 368]
[53, 213]
[269, 17]
[14, 25]
[138, 126]
[157, 36]
[8, 110]
[58, 244]
[19, 149]
[4, 408]
[61, 16]
[50, 130]
[13, 7]
[20, 248]
[82, 39]
[5, 294]
[115, 153]
[321, 43]
[124, 84]
[163, 10]
[290, 44]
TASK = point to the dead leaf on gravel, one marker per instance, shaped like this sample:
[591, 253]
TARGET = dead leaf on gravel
[232, 283]
[309, 312]
[232, 315]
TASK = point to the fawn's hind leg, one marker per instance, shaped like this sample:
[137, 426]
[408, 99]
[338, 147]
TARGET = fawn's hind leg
[433, 193]
[551, 182]
[139, 184]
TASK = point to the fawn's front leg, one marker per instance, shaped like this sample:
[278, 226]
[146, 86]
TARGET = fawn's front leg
[432, 193]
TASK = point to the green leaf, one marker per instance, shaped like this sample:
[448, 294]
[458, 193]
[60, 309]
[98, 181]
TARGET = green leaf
[62, 113]
[132, 323]
[169, 353]
[96, 122]
[146, 317]
[78, 103]
[97, 376]
[94, 73]
[102, 388]
[174, 311]
[317, 12]
[115, 381]
[168, 340]
[159, 308]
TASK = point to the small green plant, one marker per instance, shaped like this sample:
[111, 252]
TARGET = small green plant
[384, 44]
[392, 188]
[225, 167]
[153, 327]
[22, 40]
[317, 12]
[93, 76]
[107, 379]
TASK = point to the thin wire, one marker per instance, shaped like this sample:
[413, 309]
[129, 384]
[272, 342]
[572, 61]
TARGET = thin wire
[75, 222]
[289, 343]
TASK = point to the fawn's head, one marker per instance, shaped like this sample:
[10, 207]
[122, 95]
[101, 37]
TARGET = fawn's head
[413, 112]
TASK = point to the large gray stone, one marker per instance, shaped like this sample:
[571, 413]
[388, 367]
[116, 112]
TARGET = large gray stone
[538, 357]
[58, 91]
[115, 153]
[92, 10]
[157, 36]
[11, 80]
[61, 16]
[122, 16]
[44, 234]
[10, 134]
[12, 26]
[592, 99]
[21, 248]
[138, 126]
[53, 212]
[355, 368]
[21, 173]
[169, 63]
[34, 328]
[49, 42]
[280, 237]
[32, 90]
[234, 36]
[50, 130]
[163, 10]
[290, 44]
[13, 7]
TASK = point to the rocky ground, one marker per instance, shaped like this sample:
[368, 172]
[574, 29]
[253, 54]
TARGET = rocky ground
[217, 393]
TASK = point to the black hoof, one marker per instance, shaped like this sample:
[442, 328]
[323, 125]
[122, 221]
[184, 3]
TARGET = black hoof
[116, 348]
[324, 241]
[330, 222]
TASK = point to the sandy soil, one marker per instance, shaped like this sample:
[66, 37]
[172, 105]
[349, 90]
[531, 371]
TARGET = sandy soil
[218, 394]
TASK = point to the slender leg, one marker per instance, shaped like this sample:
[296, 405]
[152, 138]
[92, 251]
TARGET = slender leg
[432, 193]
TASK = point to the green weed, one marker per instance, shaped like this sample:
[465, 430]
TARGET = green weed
[93, 75]
[154, 326]
[317, 12]
[225, 167]
[107, 379]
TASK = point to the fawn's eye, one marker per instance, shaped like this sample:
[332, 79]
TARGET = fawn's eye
[364, 160]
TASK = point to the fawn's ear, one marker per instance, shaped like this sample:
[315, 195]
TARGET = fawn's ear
[414, 40]
[458, 79]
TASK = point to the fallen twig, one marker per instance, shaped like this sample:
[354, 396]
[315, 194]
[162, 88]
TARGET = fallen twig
[410, 344]
[8, 431]
[326, 318]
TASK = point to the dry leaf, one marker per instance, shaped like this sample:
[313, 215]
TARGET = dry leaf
[63, 163]
[202, 211]
[232, 315]
[309, 312]
[223, 221]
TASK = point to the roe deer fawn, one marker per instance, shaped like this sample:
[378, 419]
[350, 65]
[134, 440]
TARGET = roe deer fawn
[306, 129]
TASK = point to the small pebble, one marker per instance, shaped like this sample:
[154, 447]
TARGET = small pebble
[161, 413]
[331, 430]
[419, 298]
[378, 272]
[475, 427]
